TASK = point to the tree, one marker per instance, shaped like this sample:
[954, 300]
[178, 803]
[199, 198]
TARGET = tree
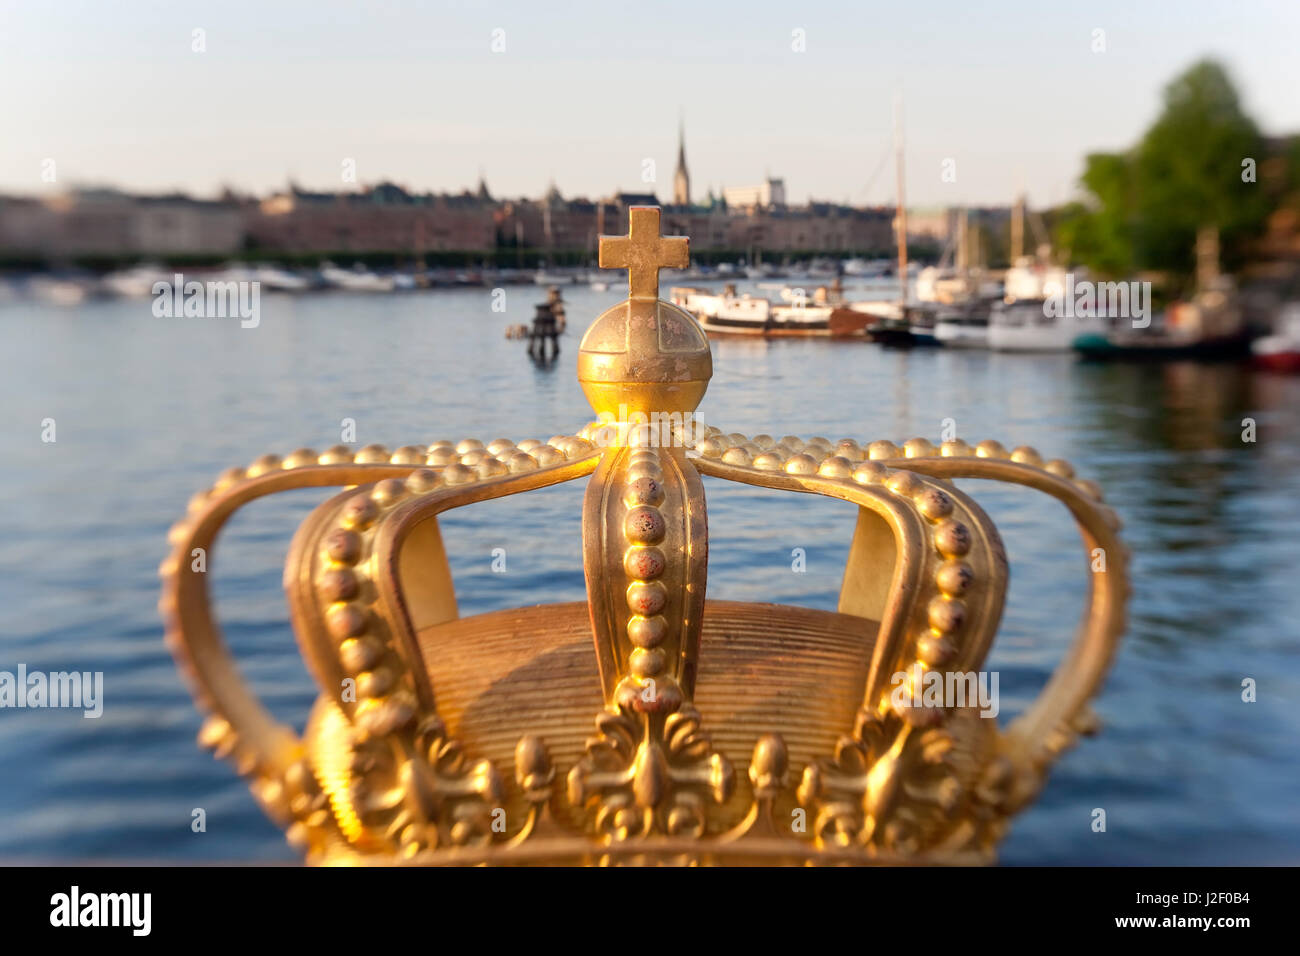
[1146, 205]
[1101, 232]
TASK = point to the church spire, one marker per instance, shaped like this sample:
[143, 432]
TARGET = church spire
[681, 179]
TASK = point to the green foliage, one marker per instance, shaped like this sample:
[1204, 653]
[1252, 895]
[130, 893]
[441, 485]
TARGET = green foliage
[1144, 206]
[1101, 233]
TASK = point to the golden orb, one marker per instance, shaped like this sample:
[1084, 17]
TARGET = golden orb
[644, 356]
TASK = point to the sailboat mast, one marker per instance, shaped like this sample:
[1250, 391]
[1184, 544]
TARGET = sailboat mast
[963, 242]
[900, 218]
[1018, 229]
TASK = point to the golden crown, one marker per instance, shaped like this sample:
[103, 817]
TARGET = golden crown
[845, 763]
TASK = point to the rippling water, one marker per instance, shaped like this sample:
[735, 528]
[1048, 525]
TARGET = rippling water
[150, 410]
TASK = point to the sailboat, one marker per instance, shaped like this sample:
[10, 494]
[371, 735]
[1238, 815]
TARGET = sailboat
[1024, 321]
[962, 298]
[961, 281]
[900, 324]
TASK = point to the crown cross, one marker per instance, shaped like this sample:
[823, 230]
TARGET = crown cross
[643, 252]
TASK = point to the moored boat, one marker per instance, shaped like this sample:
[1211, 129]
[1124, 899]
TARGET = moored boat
[729, 313]
[1027, 326]
[136, 282]
[963, 327]
[1159, 347]
[895, 325]
[552, 277]
[864, 268]
[892, 333]
[1280, 352]
[276, 279]
[60, 290]
[921, 323]
[358, 279]
[1210, 327]
[1033, 278]
[726, 312]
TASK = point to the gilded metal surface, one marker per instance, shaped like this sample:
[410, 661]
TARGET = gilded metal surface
[644, 355]
[379, 777]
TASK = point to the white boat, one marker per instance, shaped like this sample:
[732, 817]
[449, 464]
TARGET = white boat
[281, 280]
[939, 284]
[819, 269]
[950, 286]
[962, 327]
[356, 280]
[959, 279]
[800, 320]
[57, 290]
[867, 268]
[890, 309]
[1033, 279]
[725, 311]
[136, 282]
[542, 277]
[1280, 352]
[733, 314]
[1025, 326]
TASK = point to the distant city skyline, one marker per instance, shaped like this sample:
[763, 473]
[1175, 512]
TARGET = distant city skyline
[1015, 96]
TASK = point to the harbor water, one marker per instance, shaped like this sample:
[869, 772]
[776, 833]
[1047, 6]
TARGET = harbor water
[149, 410]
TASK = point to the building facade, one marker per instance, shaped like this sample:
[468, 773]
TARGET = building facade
[382, 218]
[386, 218]
[108, 223]
[769, 194]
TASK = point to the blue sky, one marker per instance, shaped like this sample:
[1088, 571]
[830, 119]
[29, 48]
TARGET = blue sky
[585, 92]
